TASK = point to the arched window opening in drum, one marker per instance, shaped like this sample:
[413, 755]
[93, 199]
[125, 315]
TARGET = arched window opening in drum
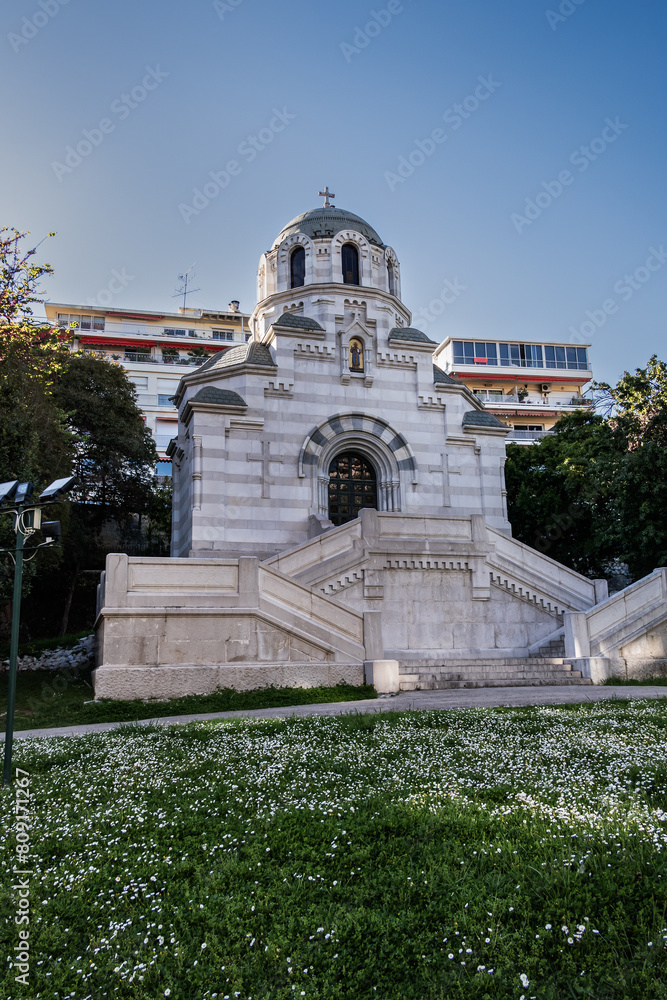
[298, 267]
[392, 278]
[350, 263]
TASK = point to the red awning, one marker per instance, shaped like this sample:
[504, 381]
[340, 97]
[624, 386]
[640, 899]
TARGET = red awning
[108, 342]
[151, 317]
[522, 375]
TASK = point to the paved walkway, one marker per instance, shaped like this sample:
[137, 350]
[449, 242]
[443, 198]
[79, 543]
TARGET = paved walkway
[406, 701]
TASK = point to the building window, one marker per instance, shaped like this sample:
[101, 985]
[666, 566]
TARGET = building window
[163, 469]
[298, 267]
[350, 263]
[171, 332]
[566, 357]
[356, 355]
[528, 427]
[521, 355]
[223, 335]
[164, 400]
[81, 322]
[352, 486]
[480, 353]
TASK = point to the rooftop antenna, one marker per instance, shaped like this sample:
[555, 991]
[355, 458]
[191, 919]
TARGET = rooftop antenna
[184, 290]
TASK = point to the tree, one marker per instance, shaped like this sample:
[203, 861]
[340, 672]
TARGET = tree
[115, 453]
[637, 404]
[114, 461]
[62, 413]
[35, 444]
[594, 493]
[559, 492]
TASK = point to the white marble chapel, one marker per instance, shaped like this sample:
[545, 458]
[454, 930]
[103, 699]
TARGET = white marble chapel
[340, 512]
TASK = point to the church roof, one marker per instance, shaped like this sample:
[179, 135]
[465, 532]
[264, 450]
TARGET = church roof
[322, 222]
[480, 418]
[251, 353]
[300, 322]
[440, 376]
[209, 394]
[409, 333]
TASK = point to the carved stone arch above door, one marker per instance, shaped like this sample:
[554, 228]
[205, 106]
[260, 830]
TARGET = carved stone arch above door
[391, 456]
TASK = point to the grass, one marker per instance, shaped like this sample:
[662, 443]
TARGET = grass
[621, 682]
[415, 856]
[46, 699]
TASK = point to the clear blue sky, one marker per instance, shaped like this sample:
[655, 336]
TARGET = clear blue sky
[220, 71]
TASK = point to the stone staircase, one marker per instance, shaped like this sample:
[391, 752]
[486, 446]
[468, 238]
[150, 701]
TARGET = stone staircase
[527, 671]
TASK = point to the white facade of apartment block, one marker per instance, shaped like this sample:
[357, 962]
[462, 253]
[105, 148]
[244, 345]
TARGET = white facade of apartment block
[155, 350]
[528, 386]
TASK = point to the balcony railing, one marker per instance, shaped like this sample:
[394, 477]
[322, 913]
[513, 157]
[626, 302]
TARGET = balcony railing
[134, 357]
[149, 399]
[148, 330]
[526, 436]
[511, 399]
[143, 358]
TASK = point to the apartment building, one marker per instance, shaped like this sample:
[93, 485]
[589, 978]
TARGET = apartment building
[528, 386]
[155, 349]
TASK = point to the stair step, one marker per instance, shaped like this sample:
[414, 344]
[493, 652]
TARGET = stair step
[574, 679]
[456, 674]
[535, 663]
[491, 679]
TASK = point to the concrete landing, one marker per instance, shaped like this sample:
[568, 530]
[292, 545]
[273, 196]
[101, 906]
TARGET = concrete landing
[406, 701]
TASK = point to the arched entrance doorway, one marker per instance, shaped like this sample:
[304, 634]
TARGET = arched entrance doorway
[352, 485]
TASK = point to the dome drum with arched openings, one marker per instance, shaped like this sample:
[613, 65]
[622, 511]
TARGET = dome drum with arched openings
[328, 245]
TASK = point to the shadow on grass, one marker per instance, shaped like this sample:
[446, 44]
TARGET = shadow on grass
[46, 699]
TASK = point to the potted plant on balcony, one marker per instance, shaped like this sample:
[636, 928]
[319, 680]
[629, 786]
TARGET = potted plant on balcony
[198, 355]
[522, 393]
[170, 355]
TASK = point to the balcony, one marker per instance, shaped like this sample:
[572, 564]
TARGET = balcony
[112, 328]
[526, 437]
[162, 440]
[133, 357]
[553, 402]
[149, 399]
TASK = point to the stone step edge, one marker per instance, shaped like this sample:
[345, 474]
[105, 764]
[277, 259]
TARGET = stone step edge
[483, 678]
[517, 661]
[500, 682]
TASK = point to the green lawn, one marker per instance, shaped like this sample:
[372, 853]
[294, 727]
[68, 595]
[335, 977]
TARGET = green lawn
[470, 854]
[46, 698]
[620, 682]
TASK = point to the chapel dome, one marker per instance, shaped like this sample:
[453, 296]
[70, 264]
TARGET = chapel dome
[324, 222]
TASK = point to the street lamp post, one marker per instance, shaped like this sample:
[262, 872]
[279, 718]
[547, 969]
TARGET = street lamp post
[16, 499]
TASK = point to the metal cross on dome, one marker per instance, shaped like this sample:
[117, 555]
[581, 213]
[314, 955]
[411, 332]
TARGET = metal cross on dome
[326, 194]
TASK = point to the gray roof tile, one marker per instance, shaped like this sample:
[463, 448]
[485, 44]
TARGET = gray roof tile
[209, 394]
[480, 418]
[300, 322]
[440, 376]
[322, 223]
[251, 353]
[409, 333]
